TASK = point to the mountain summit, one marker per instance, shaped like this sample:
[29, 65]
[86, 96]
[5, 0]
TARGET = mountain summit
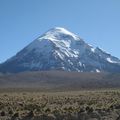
[59, 49]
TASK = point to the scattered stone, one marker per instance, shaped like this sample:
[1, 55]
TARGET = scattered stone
[2, 113]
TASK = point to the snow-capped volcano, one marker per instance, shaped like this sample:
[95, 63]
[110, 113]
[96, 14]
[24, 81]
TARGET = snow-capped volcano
[59, 49]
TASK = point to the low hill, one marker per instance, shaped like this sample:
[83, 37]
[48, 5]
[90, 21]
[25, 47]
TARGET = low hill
[60, 80]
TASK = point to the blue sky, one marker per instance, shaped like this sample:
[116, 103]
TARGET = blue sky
[96, 21]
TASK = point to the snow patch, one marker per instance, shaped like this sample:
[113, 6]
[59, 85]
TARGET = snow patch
[70, 62]
[111, 61]
[103, 50]
[55, 34]
[93, 49]
[97, 70]
[47, 37]
[60, 55]
[80, 63]
[63, 30]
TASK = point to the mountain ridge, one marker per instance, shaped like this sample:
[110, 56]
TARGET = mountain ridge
[59, 49]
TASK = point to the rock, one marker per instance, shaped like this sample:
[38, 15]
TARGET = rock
[2, 113]
[83, 116]
[95, 115]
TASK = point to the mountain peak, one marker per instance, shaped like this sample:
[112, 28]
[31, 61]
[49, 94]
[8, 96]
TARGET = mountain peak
[58, 37]
[60, 49]
[58, 28]
[61, 30]
[58, 33]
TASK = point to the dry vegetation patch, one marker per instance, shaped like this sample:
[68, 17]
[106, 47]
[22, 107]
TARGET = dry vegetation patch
[74, 105]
